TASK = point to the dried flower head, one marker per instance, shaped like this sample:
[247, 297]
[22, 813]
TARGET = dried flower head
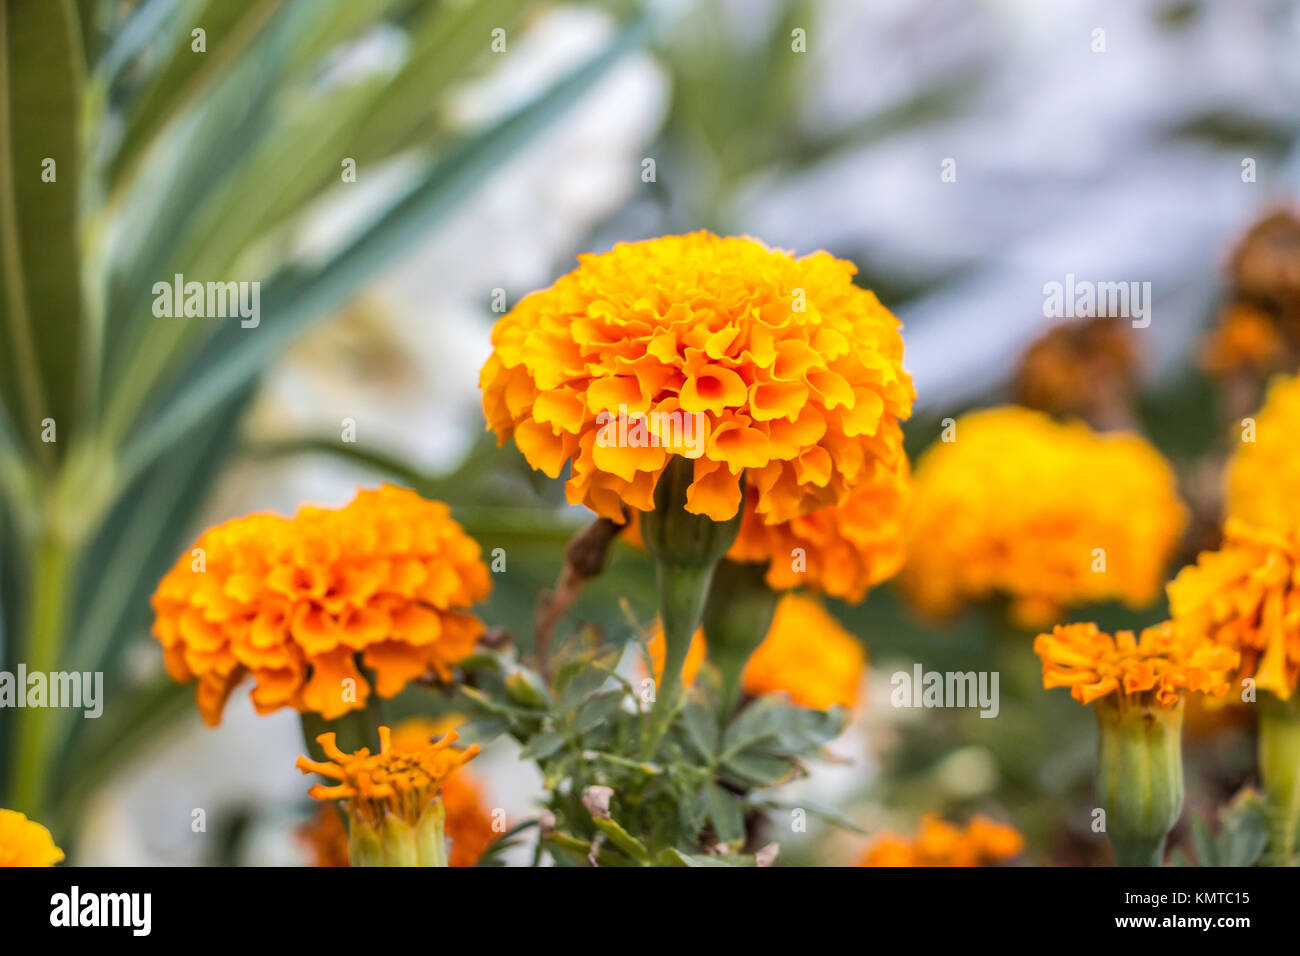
[1155, 667]
[1246, 597]
[1246, 339]
[806, 654]
[1086, 368]
[795, 372]
[25, 842]
[293, 601]
[939, 843]
[1049, 515]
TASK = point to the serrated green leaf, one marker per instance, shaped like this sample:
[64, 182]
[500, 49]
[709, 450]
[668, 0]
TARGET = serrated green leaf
[701, 730]
[542, 746]
[597, 711]
[724, 811]
[757, 769]
[526, 690]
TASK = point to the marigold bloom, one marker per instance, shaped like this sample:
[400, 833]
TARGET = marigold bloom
[1048, 514]
[25, 842]
[391, 783]
[1263, 475]
[1246, 596]
[293, 601]
[1157, 666]
[806, 654]
[469, 823]
[796, 371]
[939, 843]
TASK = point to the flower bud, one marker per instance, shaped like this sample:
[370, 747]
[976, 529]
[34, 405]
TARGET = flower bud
[1139, 775]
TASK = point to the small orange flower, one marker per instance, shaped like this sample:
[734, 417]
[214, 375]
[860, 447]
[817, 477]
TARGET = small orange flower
[469, 824]
[1050, 515]
[325, 837]
[391, 783]
[25, 842]
[294, 601]
[796, 373]
[806, 654]
[939, 843]
[1246, 597]
[1246, 338]
[1158, 665]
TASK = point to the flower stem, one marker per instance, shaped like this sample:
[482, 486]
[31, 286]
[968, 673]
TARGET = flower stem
[682, 593]
[52, 568]
[1279, 766]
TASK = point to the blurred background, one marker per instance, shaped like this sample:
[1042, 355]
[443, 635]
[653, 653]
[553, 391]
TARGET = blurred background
[1104, 139]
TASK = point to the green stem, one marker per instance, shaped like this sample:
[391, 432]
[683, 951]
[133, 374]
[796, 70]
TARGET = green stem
[1279, 765]
[737, 617]
[682, 592]
[52, 567]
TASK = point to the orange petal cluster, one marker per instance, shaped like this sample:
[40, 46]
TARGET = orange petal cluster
[293, 601]
[795, 372]
[393, 782]
[1246, 596]
[939, 843]
[25, 842]
[1049, 515]
[1158, 665]
[806, 654]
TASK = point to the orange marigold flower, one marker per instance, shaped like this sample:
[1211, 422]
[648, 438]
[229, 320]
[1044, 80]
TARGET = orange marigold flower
[469, 822]
[796, 372]
[1246, 596]
[1048, 514]
[806, 654]
[1263, 475]
[939, 843]
[391, 783]
[1158, 665]
[25, 842]
[325, 837]
[293, 601]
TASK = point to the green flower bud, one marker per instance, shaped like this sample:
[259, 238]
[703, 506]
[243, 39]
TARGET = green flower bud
[737, 617]
[1279, 770]
[1139, 775]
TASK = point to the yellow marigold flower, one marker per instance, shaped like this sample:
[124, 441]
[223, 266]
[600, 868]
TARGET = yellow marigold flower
[25, 842]
[939, 843]
[1048, 514]
[1156, 666]
[1245, 596]
[796, 371]
[806, 654]
[1263, 475]
[293, 601]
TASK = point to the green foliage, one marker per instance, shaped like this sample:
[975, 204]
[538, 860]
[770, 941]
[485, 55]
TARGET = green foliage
[1242, 836]
[694, 802]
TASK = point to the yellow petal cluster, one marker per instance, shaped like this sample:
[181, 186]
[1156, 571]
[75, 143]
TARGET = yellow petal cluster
[795, 371]
[25, 842]
[294, 601]
[806, 654]
[1159, 664]
[939, 843]
[1246, 596]
[1263, 476]
[1047, 514]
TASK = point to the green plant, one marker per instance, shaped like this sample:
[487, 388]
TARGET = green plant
[175, 152]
